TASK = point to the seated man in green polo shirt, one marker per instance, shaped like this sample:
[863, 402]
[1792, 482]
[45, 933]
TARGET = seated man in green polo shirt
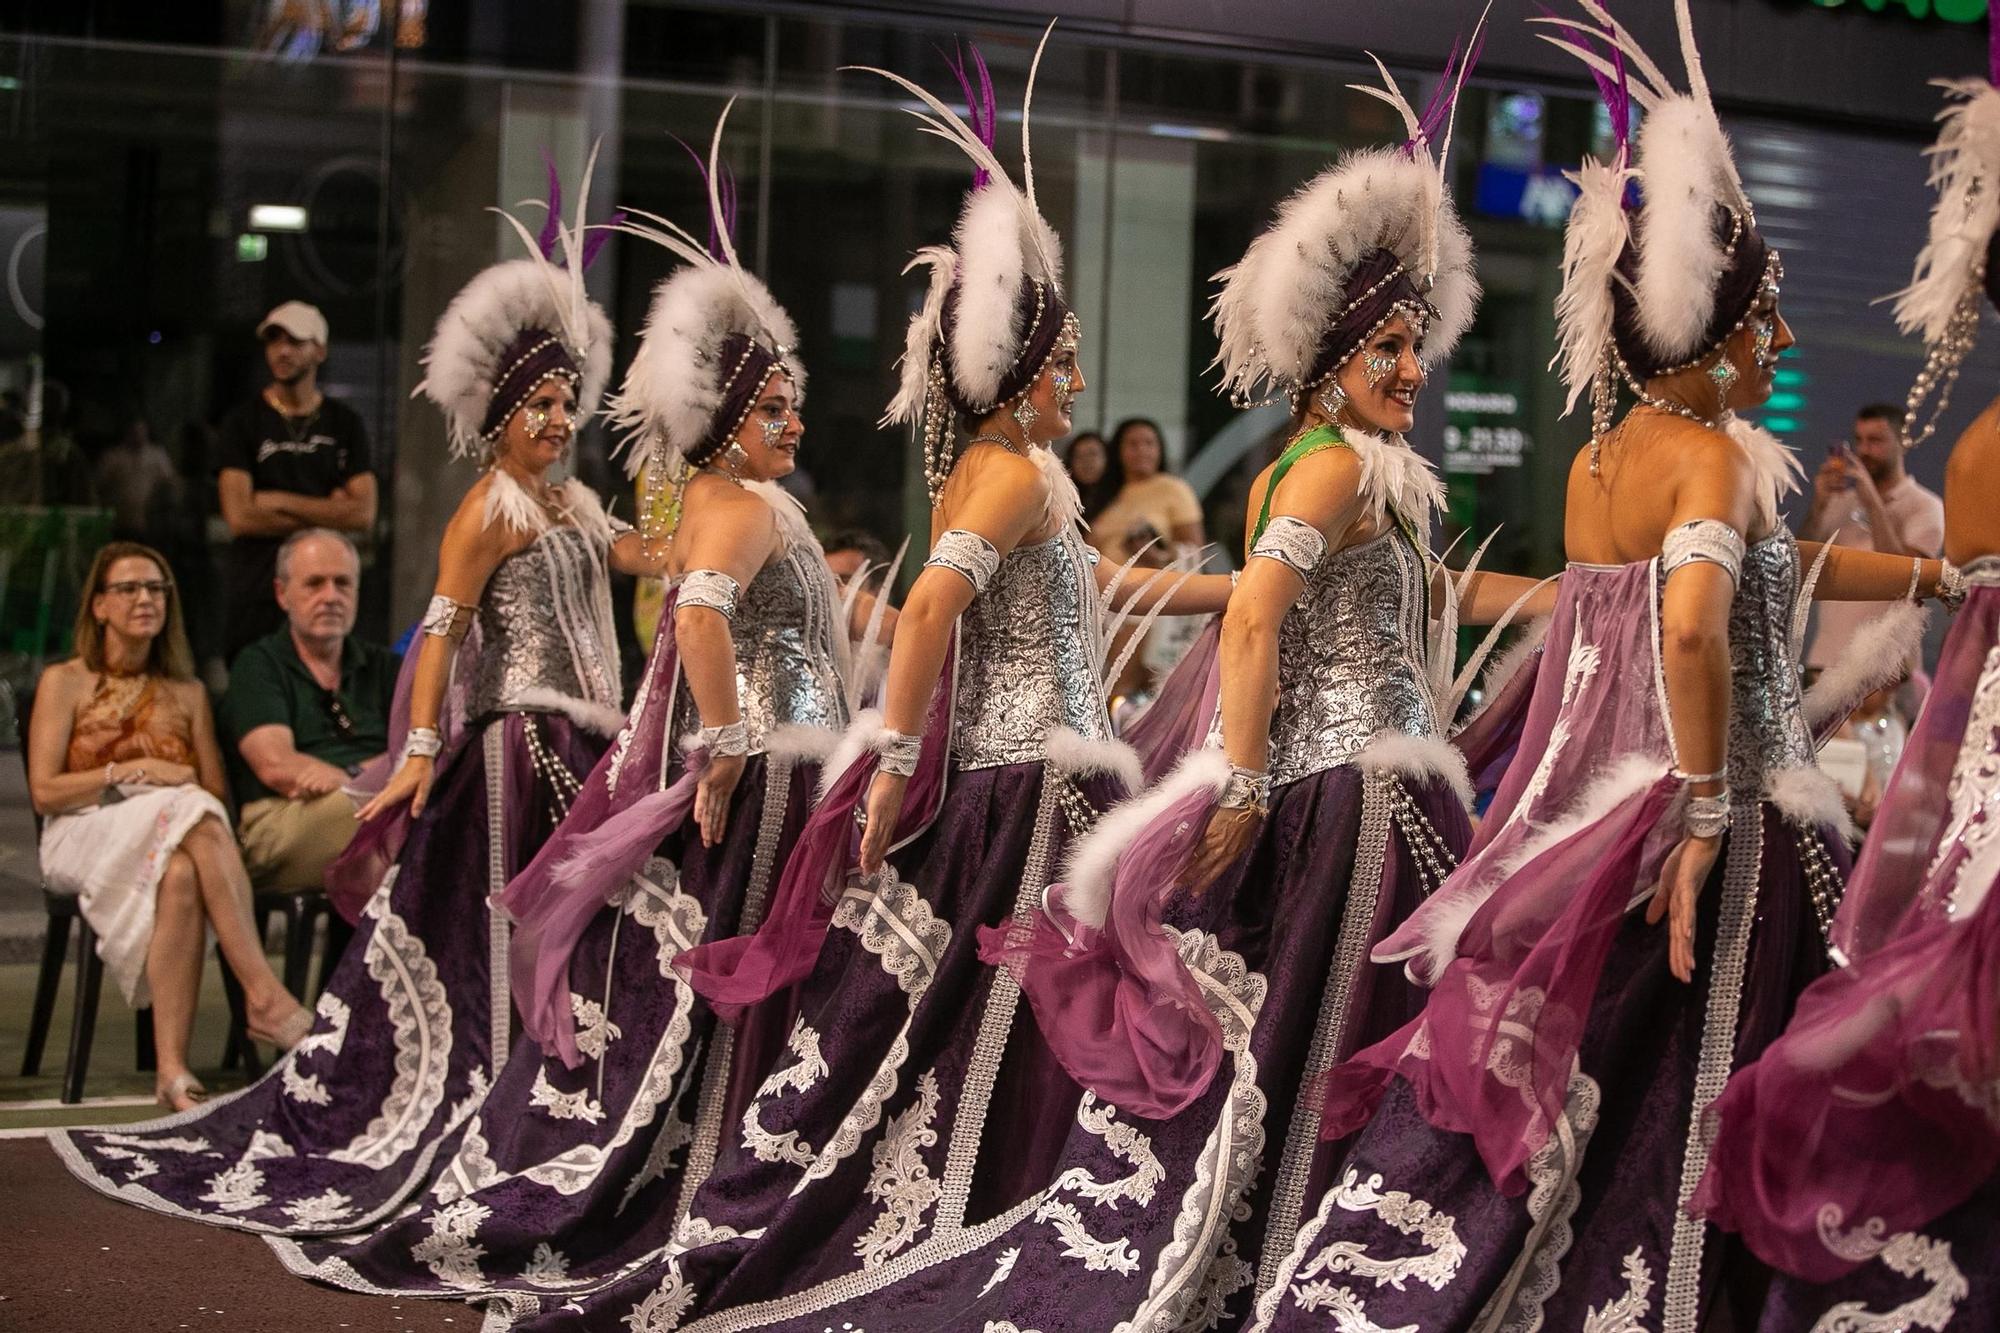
[306, 707]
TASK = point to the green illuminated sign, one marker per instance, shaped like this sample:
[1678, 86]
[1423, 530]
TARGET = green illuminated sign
[1951, 11]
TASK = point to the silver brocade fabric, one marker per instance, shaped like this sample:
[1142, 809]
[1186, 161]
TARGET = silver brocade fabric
[545, 624]
[1767, 729]
[786, 662]
[1030, 657]
[1351, 658]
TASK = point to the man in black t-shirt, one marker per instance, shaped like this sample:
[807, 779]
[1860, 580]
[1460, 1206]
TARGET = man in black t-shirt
[292, 458]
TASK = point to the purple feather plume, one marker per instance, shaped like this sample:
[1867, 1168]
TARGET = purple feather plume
[725, 192]
[1438, 110]
[550, 240]
[981, 111]
[1615, 93]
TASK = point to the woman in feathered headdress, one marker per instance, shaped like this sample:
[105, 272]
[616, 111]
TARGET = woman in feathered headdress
[416, 1018]
[1539, 1117]
[596, 1125]
[915, 1101]
[1859, 1153]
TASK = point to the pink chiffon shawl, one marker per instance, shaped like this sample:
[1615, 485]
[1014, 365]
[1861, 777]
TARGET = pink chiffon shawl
[1879, 1108]
[625, 807]
[1514, 942]
[357, 872]
[735, 974]
[1179, 718]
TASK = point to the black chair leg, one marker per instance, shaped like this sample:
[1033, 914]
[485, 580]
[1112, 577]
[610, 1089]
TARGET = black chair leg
[145, 1059]
[299, 922]
[83, 1027]
[54, 945]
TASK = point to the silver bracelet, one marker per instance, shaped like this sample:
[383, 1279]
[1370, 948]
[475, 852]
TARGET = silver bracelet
[1247, 789]
[1916, 576]
[422, 743]
[726, 741]
[1951, 586]
[1684, 776]
[899, 753]
[1707, 816]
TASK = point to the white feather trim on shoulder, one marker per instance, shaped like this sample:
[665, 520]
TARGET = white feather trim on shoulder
[1091, 866]
[793, 528]
[1420, 758]
[600, 718]
[1878, 654]
[1779, 473]
[1396, 477]
[1077, 756]
[1810, 800]
[1065, 505]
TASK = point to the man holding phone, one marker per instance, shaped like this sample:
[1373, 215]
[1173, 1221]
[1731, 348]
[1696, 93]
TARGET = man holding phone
[1863, 497]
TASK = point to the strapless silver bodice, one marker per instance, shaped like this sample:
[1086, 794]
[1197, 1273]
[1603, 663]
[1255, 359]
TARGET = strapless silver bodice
[787, 653]
[1030, 657]
[545, 629]
[1767, 728]
[1351, 658]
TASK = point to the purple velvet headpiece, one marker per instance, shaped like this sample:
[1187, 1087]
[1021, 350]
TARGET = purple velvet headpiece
[1735, 292]
[747, 366]
[1377, 286]
[1039, 310]
[534, 356]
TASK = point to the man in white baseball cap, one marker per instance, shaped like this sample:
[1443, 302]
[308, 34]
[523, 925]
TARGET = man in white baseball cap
[291, 458]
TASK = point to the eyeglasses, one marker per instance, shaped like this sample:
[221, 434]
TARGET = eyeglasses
[336, 710]
[133, 588]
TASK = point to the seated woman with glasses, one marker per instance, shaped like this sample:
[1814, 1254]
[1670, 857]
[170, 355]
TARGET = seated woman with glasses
[123, 766]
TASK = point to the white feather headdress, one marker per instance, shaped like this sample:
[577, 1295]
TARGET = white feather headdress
[1277, 304]
[966, 344]
[462, 364]
[1686, 173]
[678, 378]
[1942, 300]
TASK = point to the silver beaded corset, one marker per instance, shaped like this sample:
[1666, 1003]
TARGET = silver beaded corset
[1030, 657]
[545, 629]
[1351, 658]
[1767, 728]
[787, 656]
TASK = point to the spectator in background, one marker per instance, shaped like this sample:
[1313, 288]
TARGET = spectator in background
[1089, 464]
[851, 550]
[307, 706]
[138, 480]
[124, 768]
[1863, 498]
[291, 458]
[1151, 503]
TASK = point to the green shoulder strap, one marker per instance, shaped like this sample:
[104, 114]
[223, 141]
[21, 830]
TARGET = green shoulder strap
[1318, 438]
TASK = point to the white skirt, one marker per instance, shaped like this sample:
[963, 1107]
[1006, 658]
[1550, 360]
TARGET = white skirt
[112, 857]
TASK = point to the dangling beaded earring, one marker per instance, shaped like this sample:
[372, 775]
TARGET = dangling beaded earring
[1025, 417]
[1724, 374]
[1332, 399]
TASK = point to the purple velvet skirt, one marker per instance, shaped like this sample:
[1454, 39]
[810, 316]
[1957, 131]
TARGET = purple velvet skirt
[1413, 1233]
[564, 1179]
[998, 1195]
[341, 1131]
[914, 1099]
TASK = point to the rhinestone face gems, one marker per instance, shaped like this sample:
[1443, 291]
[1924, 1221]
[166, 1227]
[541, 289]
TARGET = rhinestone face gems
[1767, 337]
[1376, 367]
[536, 420]
[774, 429]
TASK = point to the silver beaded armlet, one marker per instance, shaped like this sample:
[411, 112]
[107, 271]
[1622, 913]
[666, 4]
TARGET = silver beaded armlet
[1247, 789]
[446, 619]
[1708, 539]
[710, 588]
[899, 753]
[1296, 544]
[727, 740]
[968, 555]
